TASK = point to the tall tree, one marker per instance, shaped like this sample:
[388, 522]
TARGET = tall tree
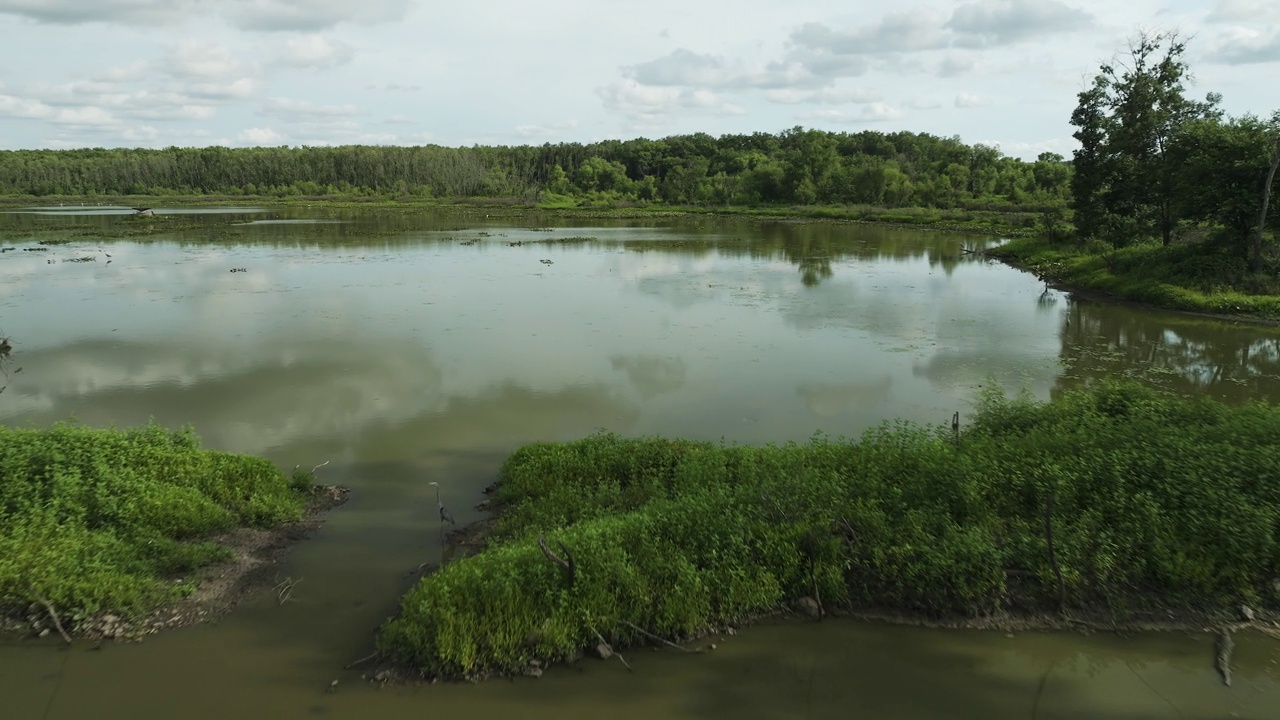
[1127, 121]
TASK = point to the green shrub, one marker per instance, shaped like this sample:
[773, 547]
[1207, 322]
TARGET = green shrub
[1153, 496]
[97, 520]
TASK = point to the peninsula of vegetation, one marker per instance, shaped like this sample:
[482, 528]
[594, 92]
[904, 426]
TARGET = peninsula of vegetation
[109, 533]
[1109, 507]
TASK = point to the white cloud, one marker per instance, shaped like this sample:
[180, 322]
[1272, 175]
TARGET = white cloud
[259, 136]
[315, 51]
[543, 131]
[25, 108]
[969, 100]
[1240, 11]
[654, 105]
[268, 15]
[293, 111]
[824, 96]
[873, 112]
[240, 89]
[201, 59]
[682, 67]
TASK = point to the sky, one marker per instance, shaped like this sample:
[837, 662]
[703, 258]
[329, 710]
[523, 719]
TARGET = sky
[156, 73]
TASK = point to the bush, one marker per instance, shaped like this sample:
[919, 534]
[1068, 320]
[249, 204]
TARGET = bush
[96, 520]
[1148, 496]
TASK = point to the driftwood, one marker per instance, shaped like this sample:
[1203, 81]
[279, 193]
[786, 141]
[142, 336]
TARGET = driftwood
[1222, 659]
[570, 567]
[371, 656]
[651, 636]
[52, 614]
[606, 644]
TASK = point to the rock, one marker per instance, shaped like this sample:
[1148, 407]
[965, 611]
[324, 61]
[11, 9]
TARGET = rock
[333, 687]
[44, 632]
[110, 619]
[1246, 613]
[535, 663]
[533, 671]
[603, 651]
[809, 606]
[382, 676]
[713, 646]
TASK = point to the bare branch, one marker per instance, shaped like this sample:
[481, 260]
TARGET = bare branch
[570, 567]
[52, 614]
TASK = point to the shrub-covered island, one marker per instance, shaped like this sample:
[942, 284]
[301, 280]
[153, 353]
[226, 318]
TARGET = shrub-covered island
[1112, 502]
[100, 522]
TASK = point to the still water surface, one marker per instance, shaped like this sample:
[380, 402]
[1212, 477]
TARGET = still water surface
[406, 348]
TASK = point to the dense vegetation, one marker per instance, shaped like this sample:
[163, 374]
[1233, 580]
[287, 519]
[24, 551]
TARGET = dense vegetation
[1111, 499]
[797, 166]
[95, 520]
[1170, 198]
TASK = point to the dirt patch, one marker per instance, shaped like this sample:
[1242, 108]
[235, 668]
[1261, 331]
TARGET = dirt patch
[219, 587]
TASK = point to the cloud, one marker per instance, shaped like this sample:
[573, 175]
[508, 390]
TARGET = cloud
[76, 12]
[824, 96]
[653, 105]
[916, 29]
[872, 112]
[542, 131]
[295, 111]
[223, 92]
[266, 15]
[312, 15]
[315, 51]
[953, 66]
[1239, 11]
[969, 100]
[988, 23]
[259, 136]
[200, 59]
[24, 108]
[923, 103]
[1246, 45]
[683, 67]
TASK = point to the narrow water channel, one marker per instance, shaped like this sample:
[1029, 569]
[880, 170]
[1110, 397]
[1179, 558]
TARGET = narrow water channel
[407, 348]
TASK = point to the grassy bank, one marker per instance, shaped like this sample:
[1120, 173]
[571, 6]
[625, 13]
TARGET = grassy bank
[1151, 501]
[96, 520]
[1193, 278]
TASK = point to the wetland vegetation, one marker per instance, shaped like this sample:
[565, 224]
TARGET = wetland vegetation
[1112, 503]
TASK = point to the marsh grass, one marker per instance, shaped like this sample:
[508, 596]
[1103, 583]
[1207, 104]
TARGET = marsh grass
[98, 520]
[1153, 500]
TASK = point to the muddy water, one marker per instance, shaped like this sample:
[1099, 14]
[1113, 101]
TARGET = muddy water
[408, 348]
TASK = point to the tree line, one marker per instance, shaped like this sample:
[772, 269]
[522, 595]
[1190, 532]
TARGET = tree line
[796, 166]
[1156, 164]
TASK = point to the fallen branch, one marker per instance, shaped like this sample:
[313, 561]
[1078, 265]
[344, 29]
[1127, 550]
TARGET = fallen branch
[371, 656]
[1222, 660]
[52, 614]
[285, 589]
[651, 636]
[569, 565]
[314, 469]
[611, 650]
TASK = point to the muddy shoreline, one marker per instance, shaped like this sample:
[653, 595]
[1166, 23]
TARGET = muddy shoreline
[219, 587]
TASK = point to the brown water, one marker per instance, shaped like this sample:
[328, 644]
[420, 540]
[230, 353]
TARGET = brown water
[381, 343]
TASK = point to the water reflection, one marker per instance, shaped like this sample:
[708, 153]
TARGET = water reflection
[1190, 356]
[389, 347]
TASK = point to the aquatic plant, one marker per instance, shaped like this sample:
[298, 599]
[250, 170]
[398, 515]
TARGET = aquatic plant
[1106, 498]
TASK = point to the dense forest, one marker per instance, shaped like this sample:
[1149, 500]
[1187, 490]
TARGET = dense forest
[797, 166]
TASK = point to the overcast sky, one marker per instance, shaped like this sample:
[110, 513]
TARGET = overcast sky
[154, 73]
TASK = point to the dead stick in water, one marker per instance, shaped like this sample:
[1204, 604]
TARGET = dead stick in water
[371, 656]
[52, 614]
[615, 652]
[651, 636]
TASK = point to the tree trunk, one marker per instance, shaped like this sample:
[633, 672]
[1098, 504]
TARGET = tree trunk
[1255, 261]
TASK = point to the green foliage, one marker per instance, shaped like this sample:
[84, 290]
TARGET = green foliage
[1204, 277]
[96, 520]
[796, 166]
[1153, 497]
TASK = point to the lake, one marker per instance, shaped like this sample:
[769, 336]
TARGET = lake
[405, 347]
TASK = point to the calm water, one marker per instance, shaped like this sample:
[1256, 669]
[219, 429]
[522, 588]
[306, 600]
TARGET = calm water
[405, 348]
